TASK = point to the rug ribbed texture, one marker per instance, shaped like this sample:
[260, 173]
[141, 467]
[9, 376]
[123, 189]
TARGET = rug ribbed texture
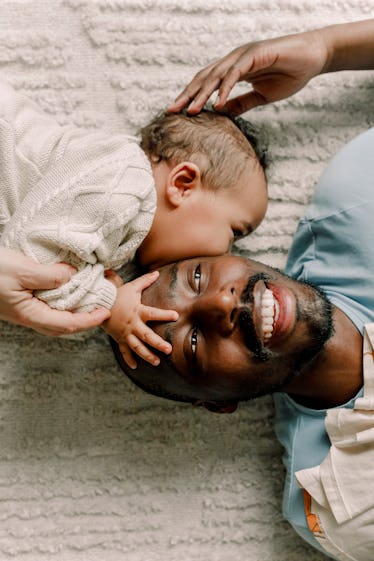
[91, 468]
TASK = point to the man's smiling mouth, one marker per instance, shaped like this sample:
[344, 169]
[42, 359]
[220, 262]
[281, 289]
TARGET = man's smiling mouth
[269, 314]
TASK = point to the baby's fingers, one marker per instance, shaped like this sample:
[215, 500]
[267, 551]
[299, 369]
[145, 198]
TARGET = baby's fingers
[113, 278]
[148, 313]
[127, 355]
[139, 348]
[153, 340]
[143, 282]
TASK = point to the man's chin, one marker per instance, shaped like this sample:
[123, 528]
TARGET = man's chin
[320, 334]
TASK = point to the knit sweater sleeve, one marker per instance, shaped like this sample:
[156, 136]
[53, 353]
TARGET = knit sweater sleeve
[91, 204]
[94, 217]
[29, 141]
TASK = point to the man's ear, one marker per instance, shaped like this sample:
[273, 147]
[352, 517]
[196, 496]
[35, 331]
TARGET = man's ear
[214, 407]
[182, 180]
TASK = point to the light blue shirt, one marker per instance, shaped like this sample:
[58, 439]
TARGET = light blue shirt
[334, 249]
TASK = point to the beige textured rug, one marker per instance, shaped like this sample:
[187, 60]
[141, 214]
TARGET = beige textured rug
[91, 468]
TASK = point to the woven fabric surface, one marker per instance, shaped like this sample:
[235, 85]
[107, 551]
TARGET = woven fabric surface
[91, 468]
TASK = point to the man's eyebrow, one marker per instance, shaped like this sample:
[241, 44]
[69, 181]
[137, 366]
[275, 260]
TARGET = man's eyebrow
[169, 335]
[173, 281]
[169, 331]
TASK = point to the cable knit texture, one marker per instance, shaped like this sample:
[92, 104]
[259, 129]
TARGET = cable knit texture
[91, 467]
[82, 197]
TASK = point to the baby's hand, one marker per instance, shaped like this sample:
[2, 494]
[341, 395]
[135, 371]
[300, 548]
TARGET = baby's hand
[128, 322]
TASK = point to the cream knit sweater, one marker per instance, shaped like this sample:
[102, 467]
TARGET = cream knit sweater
[85, 198]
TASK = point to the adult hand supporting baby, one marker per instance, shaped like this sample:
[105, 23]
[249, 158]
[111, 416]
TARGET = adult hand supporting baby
[19, 276]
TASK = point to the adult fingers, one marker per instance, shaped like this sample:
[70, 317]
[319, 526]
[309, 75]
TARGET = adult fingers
[227, 83]
[55, 322]
[220, 75]
[195, 96]
[242, 103]
[198, 91]
[39, 276]
[241, 70]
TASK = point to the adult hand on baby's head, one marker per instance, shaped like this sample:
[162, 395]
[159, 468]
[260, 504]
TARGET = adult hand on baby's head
[276, 69]
[128, 321]
[19, 276]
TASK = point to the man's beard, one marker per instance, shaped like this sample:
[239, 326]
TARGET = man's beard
[317, 317]
[315, 312]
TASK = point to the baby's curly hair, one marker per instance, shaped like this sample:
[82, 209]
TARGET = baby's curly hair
[218, 143]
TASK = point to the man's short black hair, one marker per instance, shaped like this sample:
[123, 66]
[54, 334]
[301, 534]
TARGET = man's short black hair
[152, 387]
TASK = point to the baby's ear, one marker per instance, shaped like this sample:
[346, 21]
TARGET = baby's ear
[182, 181]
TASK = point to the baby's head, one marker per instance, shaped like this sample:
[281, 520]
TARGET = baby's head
[210, 181]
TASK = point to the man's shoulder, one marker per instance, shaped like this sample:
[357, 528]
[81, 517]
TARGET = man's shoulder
[347, 181]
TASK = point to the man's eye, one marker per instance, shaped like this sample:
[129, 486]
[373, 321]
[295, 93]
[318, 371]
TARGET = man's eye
[194, 341]
[197, 278]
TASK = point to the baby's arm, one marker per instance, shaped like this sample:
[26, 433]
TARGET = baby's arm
[128, 322]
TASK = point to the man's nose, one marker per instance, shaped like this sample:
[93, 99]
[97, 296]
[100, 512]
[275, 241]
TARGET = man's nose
[218, 310]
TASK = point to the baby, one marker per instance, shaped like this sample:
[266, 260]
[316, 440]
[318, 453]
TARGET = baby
[98, 200]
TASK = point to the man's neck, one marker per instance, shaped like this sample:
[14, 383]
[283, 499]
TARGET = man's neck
[335, 375]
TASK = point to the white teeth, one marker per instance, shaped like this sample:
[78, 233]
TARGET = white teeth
[267, 314]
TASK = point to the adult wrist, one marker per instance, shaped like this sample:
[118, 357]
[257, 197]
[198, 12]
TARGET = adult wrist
[349, 46]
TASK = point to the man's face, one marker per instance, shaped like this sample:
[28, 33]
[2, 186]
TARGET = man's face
[244, 329]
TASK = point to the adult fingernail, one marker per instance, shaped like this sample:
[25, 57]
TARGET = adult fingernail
[70, 268]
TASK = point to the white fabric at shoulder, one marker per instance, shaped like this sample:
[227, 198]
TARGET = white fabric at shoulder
[341, 488]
